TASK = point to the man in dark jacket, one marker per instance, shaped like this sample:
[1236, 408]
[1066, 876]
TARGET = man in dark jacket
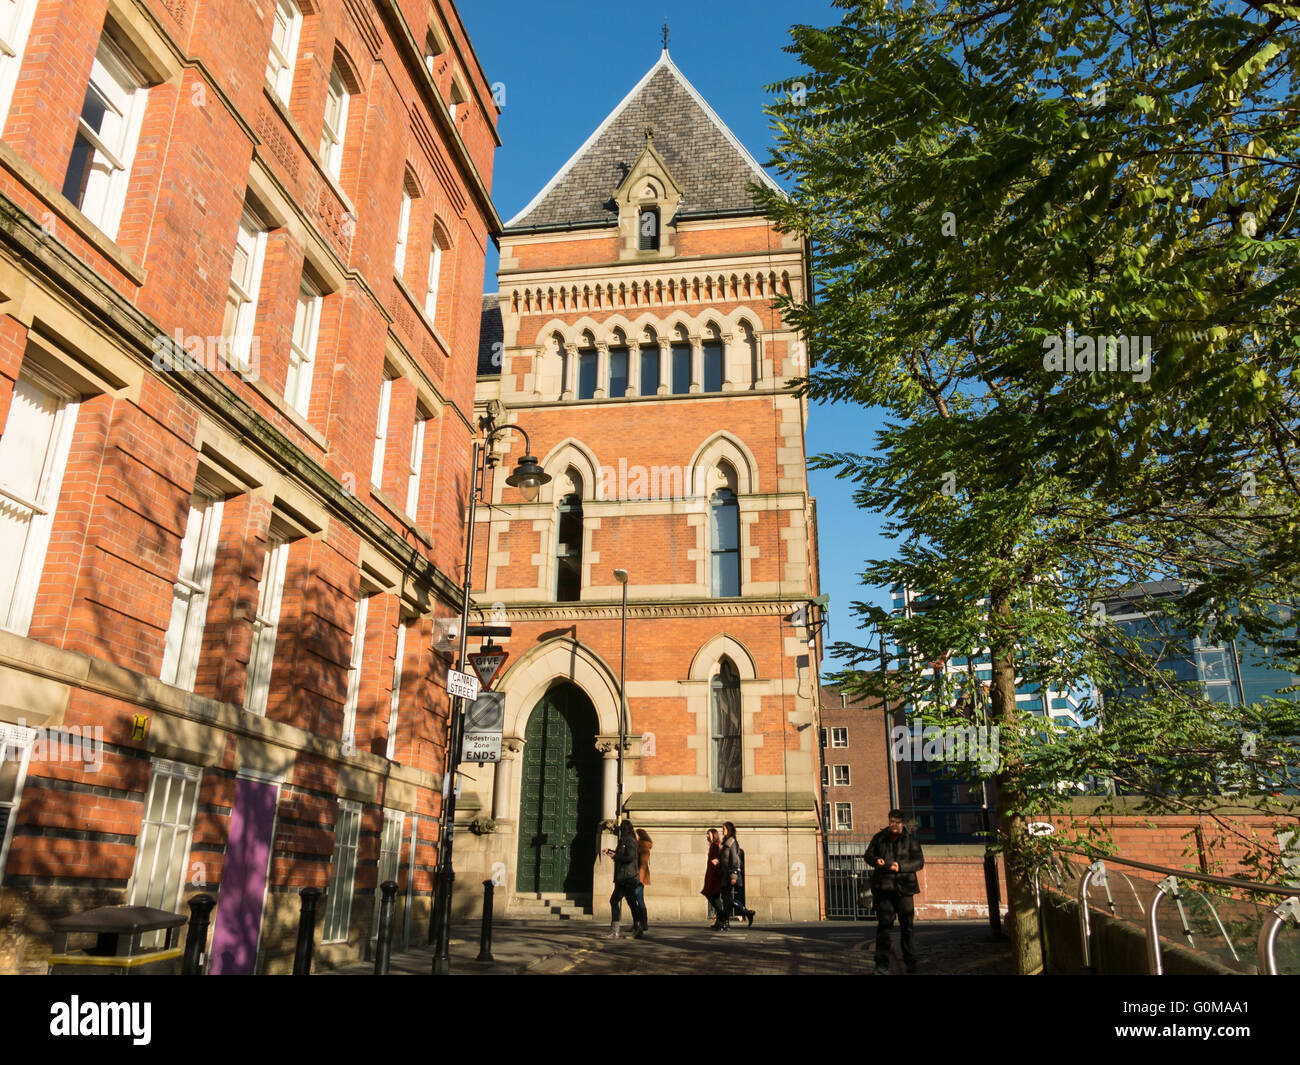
[894, 856]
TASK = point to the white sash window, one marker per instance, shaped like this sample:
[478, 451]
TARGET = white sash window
[33, 455]
[191, 593]
[302, 348]
[15, 27]
[381, 433]
[266, 626]
[245, 281]
[284, 48]
[395, 699]
[354, 676]
[107, 131]
[335, 125]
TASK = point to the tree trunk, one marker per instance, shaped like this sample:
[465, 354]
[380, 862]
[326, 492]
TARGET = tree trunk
[1023, 915]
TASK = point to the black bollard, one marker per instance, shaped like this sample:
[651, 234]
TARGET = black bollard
[485, 931]
[306, 930]
[197, 936]
[384, 946]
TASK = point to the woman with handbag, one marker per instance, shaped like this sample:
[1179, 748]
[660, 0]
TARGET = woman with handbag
[729, 866]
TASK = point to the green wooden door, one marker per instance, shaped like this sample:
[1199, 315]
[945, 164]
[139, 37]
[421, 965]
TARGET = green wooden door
[559, 807]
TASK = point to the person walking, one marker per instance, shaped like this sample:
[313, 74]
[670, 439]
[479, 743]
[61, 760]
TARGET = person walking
[626, 881]
[739, 894]
[713, 875]
[643, 845]
[894, 858]
[729, 866]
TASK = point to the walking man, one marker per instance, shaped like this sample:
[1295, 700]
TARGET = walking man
[894, 856]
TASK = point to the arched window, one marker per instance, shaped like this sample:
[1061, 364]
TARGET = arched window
[647, 228]
[618, 367]
[568, 547]
[587, 367]
[724, 535]
[650, 364]
[335, 126]
[725, 765]
[713, 361]
[439, 245]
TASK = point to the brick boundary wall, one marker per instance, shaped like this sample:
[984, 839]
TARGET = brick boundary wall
[952, 882]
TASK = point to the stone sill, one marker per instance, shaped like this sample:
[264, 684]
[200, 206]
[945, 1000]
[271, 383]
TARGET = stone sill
[418, 307]
[263, 389]
[401, 515]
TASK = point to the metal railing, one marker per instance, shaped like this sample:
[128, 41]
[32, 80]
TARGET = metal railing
[1225, 941]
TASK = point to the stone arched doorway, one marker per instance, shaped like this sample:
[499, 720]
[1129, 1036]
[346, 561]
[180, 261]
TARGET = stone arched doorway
[559, 798]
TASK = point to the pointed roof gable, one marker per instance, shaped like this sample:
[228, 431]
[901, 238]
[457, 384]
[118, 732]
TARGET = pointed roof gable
[703, 156]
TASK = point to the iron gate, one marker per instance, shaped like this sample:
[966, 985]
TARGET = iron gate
[846, 875]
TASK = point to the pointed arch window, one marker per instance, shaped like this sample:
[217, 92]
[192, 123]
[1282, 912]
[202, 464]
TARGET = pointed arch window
[681, 368]
[617, 372]
[713, 366]
[650, 370]
[587, 364]
[724, 539]
[647, 228]
[568, 547]
[725, 769]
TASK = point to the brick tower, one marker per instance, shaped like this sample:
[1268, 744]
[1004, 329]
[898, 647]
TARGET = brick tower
[634, 338]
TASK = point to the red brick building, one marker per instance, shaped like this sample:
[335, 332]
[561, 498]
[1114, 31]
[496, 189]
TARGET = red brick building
[635, 340]
[239, 274]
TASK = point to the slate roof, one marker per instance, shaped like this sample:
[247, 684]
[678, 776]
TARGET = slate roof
[490, 334]
[704, 157]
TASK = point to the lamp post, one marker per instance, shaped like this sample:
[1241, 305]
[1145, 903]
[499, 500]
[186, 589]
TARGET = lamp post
[528, 477]
[620, 575]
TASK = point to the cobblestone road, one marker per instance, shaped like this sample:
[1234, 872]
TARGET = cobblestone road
[830, 948]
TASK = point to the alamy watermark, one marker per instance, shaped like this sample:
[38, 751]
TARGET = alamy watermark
[957, 743]
[1085, 354]
[180, 353]
[71, 743]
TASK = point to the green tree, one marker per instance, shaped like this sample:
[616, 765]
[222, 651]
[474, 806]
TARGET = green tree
[995, 191]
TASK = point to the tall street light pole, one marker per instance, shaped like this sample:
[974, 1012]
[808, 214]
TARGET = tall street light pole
[528, 478]
[620, 575]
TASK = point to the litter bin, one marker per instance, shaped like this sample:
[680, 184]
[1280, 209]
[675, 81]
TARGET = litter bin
[120, 946]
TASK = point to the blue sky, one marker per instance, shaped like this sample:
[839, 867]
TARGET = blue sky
[565, 66]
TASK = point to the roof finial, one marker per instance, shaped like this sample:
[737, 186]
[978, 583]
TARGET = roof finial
[665, 32]
[649, 136]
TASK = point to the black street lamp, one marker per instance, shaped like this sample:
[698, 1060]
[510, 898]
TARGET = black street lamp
[620, 575]
[528, 477]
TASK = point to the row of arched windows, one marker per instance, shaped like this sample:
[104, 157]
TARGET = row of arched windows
[656, 365]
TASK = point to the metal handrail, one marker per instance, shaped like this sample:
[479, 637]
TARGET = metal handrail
[1286, 913]
[1252, 886]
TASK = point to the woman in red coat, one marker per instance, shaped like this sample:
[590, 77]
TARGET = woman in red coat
[713, 873]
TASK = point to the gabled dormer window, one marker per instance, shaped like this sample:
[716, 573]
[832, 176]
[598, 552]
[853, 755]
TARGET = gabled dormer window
[648, 229]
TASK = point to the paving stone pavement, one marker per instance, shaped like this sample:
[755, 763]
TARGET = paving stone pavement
[828, 948]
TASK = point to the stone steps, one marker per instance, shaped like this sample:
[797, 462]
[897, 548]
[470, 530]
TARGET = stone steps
[549, 906]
